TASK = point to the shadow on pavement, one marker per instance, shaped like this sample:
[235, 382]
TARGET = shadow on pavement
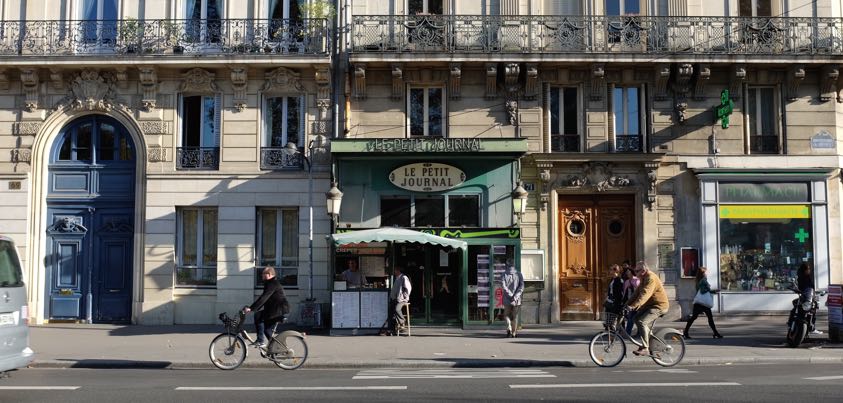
[115, 364]
[497, 363]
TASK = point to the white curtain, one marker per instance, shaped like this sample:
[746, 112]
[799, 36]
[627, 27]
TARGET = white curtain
[89, 10]
[562, 7]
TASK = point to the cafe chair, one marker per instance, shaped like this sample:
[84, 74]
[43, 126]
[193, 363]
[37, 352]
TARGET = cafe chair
[406, 327]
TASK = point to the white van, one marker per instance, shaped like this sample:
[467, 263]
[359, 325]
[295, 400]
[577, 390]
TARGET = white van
[14, 315]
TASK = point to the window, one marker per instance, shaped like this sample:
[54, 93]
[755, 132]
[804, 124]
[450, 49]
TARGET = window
[285, 24]
[463, 211]
[197, 247]
[761, 117]
[205, 24]
[10, 270]
[627, 117]
[278, 244]
[98, 23]
[755, 8]
[622, 7]
[395, 211]
[200, 132]
[562, 7]
[430, 211]
[425, 106]
[95, 140]
[284, 121]
[415, 7]
[627, 28]
[564, 119]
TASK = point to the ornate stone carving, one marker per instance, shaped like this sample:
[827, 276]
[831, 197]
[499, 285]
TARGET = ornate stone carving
[156, 153]
[154, 127]
[737, 80]
[239, 82]
[198, 80]
[4, 80]
[680, 108]
[662, 77]
[794, 77]
[652, 177]
[26, 128]
[397, 82]
[598, 81]
[511, 72]
[121, 77]
[828, 82]
[576, 181]
[600, 175]
[67, 225]
[282, 79]
[531, 85]
[21, 155]
[703, 76]
[454, 84]
[116, 225]
[29, 79]
[682, 83]
[360, 81]
[56, 79]
[148, 78]
[491, 80]
[92, 91]
[323, 90]
[574, 216]
[512, 111]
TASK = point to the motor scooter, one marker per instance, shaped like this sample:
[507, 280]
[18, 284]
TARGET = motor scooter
[801, 319]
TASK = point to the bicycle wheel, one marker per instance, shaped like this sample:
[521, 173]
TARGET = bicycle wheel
[607, 349]
[227, 351]
[288, 353]
[668, 351]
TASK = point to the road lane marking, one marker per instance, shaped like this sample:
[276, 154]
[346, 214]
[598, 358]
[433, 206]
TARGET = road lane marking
[451, 373]
[665, 370]
[622, 385]
[39, 387]
[306, 388]
[825, 378]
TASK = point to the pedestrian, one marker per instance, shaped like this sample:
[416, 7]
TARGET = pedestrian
[399, 297]
[651, 301]
[512, 283]
[702, 288]
[352, 275]
[630, 284]
[614, 295]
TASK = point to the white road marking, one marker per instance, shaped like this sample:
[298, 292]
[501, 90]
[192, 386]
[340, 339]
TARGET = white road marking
[451, 373]
[622, 385]
[825, 378]
[666, 370]
[39, 387]
[262, 388]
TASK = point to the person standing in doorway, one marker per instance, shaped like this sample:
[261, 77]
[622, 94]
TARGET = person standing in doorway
[512, 283]
[702, 287]
[400, 297]
[651, 301]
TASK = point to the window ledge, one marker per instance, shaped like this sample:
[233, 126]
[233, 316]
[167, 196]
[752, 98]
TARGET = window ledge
[194, 291]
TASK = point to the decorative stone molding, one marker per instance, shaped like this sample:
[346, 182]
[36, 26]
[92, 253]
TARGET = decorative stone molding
[652, 176]
[600, 175]
[397, 82]
[30, 81]
[360, 81]
[322, 76]
[681, 108]
[56, 79]
[239, 82]
[454, 84]
[598, 81]
[682, 83]
[122, 77]
[491, 80]
[154, 127]
[512, 111]
[795, 76]
[511, 72]
[116, 225]
[91, 90]
[198, 80]
[67, 225]
[282, 80]
[21, 155]
[156, 153]
[703, 75]
[531, 85]
[828, 83]
[4, 80]
[26, 128]
[662, 77]
[737, 80]
[148, 78]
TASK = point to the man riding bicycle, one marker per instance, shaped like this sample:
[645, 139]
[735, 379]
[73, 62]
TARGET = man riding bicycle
[650, 300]
[269, 308]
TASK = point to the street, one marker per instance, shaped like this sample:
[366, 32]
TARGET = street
[750, 383]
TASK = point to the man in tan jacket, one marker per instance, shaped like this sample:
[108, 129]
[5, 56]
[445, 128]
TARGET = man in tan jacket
[651, 302]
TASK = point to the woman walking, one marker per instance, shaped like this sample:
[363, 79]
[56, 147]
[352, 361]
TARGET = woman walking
[630, 284]
[702, 288]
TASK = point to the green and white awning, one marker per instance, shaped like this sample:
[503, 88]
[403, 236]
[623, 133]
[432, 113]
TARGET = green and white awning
[393, 234]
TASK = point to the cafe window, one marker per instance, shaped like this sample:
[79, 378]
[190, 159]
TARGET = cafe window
[197, 247]
[278, 244]
[564, 119]
[430, 211]
[425, 106]
[761, 107]
[395, 211]
[463, 211]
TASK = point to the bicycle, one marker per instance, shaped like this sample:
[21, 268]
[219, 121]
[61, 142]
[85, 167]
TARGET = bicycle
[287, 350]
[608, 348]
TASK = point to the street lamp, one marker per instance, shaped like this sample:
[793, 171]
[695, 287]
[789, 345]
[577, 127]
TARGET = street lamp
[519, 201]
[333, 199]
[292, 149]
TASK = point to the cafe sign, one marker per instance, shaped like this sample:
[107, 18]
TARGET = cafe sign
[427, 177]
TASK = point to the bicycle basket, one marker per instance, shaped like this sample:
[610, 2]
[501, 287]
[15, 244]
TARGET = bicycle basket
[611, 320]
[231, 324]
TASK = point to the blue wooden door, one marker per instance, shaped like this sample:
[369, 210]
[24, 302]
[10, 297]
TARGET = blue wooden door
[90, 207]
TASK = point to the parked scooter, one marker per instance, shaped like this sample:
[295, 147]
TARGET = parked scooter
[801, 319]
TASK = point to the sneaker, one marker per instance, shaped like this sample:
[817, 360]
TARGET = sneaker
[640, 351]
[816, 331]
[259, 344]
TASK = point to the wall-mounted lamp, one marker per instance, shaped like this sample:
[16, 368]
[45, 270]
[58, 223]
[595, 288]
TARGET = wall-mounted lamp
[519, 200]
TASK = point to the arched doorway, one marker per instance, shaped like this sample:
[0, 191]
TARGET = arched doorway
[90, 216]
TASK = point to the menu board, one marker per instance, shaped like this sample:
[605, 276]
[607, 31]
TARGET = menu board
[373, 308]
[372, 266]
[345, 309]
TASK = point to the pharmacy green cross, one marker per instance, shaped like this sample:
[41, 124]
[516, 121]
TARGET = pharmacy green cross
[801, 235]
[725, 108]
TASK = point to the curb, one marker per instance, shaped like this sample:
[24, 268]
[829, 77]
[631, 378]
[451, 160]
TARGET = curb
[479, 363]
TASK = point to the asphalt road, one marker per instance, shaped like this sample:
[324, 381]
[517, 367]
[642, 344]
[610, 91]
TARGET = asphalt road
[756, 383]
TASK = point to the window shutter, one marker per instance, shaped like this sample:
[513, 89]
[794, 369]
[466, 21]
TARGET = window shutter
[562, 7]
[217, 119]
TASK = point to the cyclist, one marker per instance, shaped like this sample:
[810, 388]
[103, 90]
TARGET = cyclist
[650, 300]
[269, 308]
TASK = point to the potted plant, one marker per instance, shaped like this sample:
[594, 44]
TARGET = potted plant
[319, 14]
[172, 31]
[130, 34]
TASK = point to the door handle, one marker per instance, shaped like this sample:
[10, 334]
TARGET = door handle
[117, 290]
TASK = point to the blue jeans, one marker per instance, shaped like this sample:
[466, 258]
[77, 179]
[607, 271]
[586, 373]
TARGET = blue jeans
[264, 327]
[630, 322]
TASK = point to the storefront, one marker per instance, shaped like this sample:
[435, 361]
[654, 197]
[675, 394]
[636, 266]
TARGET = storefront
[757, 229]
[458, 189]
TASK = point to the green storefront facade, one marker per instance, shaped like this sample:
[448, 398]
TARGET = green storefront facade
[454, 188]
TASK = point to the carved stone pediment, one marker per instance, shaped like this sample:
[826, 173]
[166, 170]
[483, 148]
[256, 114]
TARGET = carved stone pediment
[198, 80]
[91, 90]
[600, 175]
[282, 79]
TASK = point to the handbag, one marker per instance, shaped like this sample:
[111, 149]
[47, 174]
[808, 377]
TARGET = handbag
[705, 299]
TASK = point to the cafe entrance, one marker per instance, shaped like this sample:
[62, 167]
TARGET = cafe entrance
[435, 274]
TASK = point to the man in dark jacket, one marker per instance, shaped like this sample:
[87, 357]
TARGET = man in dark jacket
[270, 307]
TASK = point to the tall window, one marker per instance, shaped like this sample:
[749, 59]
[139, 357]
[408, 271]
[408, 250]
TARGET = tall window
[197, 247]
[97, 141]
[285, 21]
[623, 7]
[627, 117]
[278, 244]
[205, 23]
[755, 8]
[564, 119]
[284, 121]
[562, 7]
[98, 25]
[415, 7]
[426, 111]
[430, 211]
[624, 29]
[200, 132]
[761, 117]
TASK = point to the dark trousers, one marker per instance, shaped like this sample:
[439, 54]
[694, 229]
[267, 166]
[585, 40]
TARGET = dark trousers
[264, 327]
[698, 309]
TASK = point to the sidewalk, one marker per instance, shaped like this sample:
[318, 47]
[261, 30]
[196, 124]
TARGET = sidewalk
[747, 340]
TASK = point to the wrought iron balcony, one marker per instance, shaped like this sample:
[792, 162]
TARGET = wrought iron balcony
[198, 158]
[160, 37]
[629, 143]
[763, 144]
[280, 158]
[565, 143]
[596, 34]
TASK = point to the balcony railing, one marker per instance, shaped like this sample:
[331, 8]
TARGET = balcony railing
[159, 37]
[565, 142]
[280, 158]
[628, 143]
[198, 158]
[596, 34]
[761, 144]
